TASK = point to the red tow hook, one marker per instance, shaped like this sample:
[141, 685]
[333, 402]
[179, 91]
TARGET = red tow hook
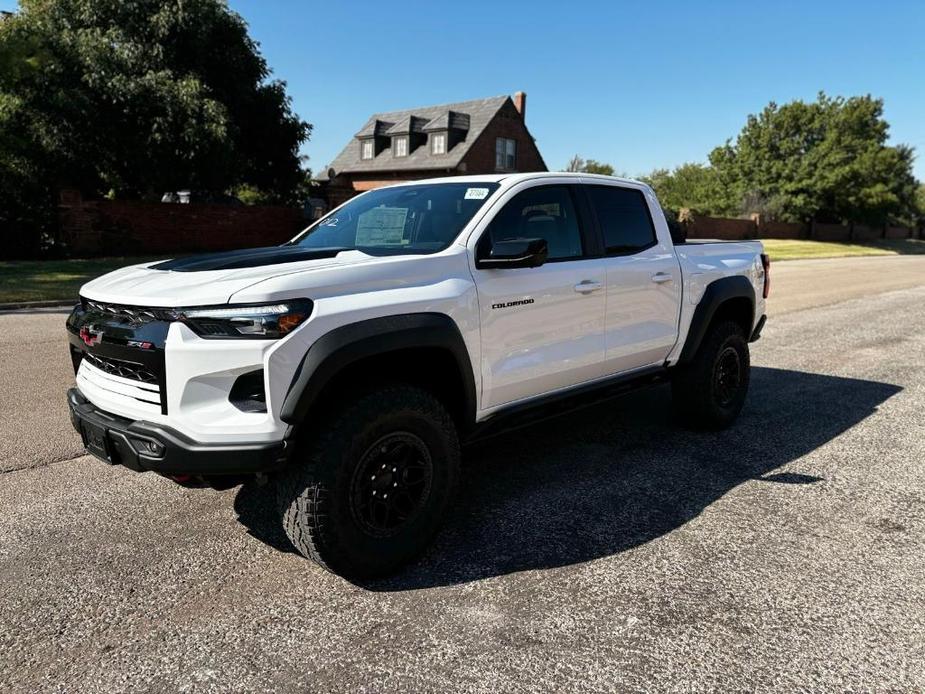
[181, 479]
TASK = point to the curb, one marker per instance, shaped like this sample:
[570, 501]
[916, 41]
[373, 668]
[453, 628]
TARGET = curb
[15, 305]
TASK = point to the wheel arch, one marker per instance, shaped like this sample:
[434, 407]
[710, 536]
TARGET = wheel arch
[424, 347]
[731, 298]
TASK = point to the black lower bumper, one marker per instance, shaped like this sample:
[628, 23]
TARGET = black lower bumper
[145, 446]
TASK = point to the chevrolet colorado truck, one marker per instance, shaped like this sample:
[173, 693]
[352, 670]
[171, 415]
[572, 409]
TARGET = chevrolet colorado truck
[348, 366]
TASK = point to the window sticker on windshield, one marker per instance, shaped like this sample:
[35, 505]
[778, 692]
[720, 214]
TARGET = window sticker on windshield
[329, 222]
[476, 193]
[382, 226]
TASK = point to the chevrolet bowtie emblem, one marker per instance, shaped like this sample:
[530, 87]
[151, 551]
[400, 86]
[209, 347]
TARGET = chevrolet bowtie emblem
[90, 336]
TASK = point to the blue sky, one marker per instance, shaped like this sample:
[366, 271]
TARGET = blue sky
[638, 85]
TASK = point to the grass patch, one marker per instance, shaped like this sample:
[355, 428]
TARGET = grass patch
[53, 280]
[791, 249]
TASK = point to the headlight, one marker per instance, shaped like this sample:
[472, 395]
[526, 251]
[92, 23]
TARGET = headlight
[264, 321]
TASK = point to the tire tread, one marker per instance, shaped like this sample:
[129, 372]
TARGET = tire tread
[692, 384]
[303, 493]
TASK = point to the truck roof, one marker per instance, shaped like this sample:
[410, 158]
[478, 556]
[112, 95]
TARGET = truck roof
[517, 177]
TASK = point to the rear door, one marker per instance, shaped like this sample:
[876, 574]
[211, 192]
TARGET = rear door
[542, 328]
[643, 298]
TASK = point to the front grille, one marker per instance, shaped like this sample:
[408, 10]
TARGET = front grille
[136, 314]
[121, 368]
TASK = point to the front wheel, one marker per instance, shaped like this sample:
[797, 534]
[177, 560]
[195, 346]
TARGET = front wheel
[709, 392]
[369, 490]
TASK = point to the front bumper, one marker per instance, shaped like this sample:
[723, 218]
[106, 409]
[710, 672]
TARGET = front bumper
[145, 446]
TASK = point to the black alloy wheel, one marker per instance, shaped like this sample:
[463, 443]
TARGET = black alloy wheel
[727, 376]
[710, 390]
[391, 484]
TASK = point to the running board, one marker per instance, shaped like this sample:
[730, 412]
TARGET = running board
[541, 409]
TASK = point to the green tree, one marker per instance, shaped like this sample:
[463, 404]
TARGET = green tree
[27, 204]
[826, 160]
[693, 186]
[597, 167]
[920, 206]
[577, 164]
[138, 98]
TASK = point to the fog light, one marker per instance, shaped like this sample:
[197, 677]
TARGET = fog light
[148, 447]
[248, 394]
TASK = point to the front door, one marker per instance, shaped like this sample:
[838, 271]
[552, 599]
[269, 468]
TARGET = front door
[542, 328]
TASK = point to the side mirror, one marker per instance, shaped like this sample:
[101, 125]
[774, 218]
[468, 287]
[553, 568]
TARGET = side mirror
[512, 253]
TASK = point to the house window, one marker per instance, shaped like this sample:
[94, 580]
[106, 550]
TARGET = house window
[438, 143]
[366, 149]
[505, 154]
[401, 146]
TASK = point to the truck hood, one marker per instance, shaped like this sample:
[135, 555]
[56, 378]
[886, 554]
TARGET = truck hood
[212, 278]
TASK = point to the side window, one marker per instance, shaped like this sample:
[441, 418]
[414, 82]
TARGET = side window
[624, 218]
[545, 212]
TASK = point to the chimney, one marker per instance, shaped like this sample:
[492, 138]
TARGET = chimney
[520, 103]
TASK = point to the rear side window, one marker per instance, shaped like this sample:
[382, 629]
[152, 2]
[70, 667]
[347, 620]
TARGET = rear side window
[624, 218]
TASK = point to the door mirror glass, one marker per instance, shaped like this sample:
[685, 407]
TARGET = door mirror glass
[512, 253]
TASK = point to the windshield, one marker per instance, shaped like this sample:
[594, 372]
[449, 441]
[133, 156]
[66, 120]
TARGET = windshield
[404, 219]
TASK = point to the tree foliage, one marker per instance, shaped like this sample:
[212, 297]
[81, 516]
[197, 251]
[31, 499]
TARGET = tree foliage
[577, 164]
[827, 160]
[920, 205]
[132, 99]
[693, 186]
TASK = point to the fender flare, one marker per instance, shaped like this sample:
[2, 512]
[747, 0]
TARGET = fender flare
[343, 346]
[715, 295]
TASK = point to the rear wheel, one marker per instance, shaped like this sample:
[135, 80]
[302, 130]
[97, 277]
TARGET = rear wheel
[710, 391]
[368, 492]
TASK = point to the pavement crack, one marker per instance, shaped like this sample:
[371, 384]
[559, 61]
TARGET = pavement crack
[46, 463]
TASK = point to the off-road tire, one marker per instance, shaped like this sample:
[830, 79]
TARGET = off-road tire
[702, 399]
[317, 494]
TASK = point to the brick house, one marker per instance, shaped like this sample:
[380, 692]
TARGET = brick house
[469, 137]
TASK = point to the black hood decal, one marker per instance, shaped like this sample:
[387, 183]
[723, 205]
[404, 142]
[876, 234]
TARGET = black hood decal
[249, 257]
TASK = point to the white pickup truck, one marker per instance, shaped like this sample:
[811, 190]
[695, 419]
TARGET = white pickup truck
[349, 365]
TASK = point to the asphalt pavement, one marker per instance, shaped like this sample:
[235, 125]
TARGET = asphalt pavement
[606, 550]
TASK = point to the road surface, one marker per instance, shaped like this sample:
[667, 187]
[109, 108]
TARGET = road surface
[606, 550]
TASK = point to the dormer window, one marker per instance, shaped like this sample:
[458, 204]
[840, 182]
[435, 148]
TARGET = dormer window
[438, 143]
[367, 149]
[400, 146]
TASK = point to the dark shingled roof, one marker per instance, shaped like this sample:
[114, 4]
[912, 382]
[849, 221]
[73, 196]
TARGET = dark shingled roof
[408, 124]
[374, 127]
[469, 118]
[451, 120]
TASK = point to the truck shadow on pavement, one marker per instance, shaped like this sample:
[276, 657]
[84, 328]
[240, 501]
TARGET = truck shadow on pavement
[611, 477]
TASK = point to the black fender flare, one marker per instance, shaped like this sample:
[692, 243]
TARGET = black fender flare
[343, 346]
[715, 295]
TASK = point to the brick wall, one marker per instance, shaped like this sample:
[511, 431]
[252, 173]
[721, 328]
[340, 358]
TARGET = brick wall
[106, 227]
[829, 232]
[506, 123]
[899, 233]
[702, 227]
[782, 230]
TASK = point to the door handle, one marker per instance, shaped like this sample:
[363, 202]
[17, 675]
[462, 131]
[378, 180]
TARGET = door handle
[660, 277]
[587, 286]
